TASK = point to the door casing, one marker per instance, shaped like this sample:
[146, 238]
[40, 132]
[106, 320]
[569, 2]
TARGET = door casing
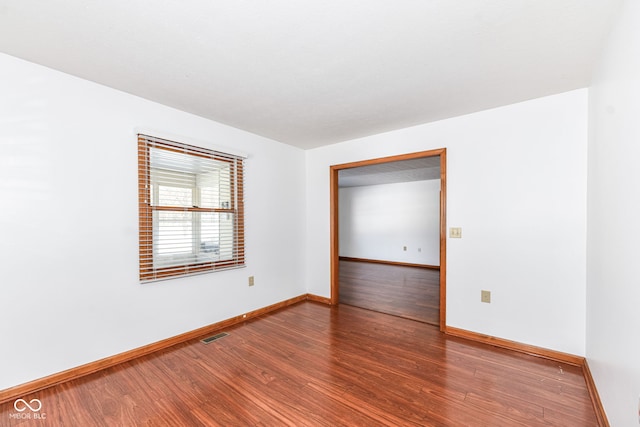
[334, 222]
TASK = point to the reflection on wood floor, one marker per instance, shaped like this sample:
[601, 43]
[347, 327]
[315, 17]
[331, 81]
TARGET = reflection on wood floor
[315, 365]
[410, 292]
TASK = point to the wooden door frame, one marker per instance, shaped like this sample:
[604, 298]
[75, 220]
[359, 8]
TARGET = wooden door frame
[335, 254]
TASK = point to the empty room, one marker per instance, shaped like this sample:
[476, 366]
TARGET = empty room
[410, 213]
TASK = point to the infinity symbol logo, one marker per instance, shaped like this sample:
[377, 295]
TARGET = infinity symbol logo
[27, 405]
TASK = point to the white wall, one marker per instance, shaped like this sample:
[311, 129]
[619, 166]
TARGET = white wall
[517, 187]
[613, 281]
[378, 221]
[69, 285]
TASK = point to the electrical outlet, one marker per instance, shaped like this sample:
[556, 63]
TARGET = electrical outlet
[455, 232]
[485, 296]
[251, 281]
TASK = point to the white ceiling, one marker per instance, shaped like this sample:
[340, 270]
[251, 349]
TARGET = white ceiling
[420, 169]
[311, 73]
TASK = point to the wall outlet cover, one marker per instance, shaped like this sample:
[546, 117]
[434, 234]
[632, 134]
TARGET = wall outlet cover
[485, 296]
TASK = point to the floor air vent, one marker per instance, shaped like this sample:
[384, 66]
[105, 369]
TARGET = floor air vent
[214, 338]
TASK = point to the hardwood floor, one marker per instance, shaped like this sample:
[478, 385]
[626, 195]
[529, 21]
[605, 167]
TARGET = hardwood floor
[410, 292]
[315, 365]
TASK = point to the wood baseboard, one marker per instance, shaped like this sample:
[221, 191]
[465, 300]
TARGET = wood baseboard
[516, 346]
[377, 261]
[317, 298]
[21, 390]
[595, 397]
[558, 356]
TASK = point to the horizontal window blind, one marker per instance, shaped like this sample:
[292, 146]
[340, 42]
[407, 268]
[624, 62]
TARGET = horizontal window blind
[191, 203]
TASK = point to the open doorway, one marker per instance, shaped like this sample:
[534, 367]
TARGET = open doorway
[381, 174]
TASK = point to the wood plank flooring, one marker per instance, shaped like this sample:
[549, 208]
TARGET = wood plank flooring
[410, 292]
[315, 365]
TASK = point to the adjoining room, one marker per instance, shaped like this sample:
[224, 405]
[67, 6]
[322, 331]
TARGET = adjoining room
[389, 244]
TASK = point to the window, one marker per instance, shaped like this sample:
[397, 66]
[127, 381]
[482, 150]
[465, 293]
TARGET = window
[191, 209]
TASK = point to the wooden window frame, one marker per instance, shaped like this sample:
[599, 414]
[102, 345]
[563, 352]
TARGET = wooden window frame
[147, 270]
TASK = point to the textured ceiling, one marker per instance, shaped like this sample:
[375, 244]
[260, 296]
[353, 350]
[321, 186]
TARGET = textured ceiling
[420, 169]
[311, 73]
